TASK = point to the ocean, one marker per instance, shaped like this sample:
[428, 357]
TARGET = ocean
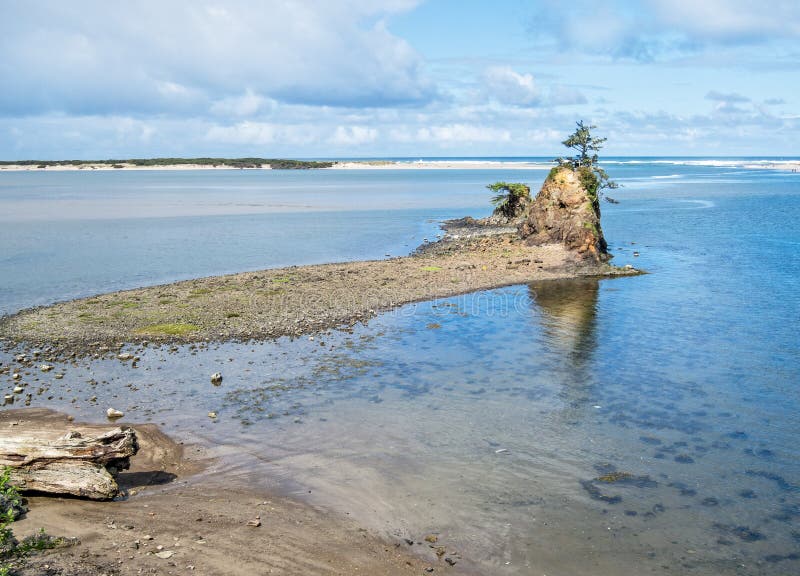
[627, 426]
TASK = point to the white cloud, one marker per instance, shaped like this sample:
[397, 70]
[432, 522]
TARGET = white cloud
[247, 104]
[243, 133]
[560, 95]
[728, 20]
[462, 134]
[182, 56]
[508, 86]
[723, 97]
[255, 134]
[658, 29]
[131, 129]
[353, 135]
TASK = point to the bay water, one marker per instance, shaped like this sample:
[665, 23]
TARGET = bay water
[628, 426]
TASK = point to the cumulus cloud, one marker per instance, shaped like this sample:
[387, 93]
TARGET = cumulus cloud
[463, 134]
[260, 134]
[353, 135]
[147, 56]
[727, 103]
[508, 86]
[657, 29]
[729, 20]
[243, 133]
[246, 104]
[561, 95]
[721, 97]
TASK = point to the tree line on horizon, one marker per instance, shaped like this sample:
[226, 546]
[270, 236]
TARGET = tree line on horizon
[274, 163]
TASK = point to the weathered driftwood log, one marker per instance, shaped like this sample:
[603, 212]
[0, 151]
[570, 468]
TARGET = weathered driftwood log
[71, 464]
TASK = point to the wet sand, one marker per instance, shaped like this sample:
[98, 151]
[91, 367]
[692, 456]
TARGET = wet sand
[176, 505]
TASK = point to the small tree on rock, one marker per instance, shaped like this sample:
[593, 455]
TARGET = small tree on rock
[585, 160]
[510, 198]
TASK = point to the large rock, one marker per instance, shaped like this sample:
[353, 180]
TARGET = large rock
[566, 212]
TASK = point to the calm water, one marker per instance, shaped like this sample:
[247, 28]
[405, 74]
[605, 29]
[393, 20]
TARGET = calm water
[493, 418]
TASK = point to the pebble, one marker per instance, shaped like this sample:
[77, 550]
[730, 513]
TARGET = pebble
[124, 356]
[216, 378]
[212, 414]
[45, 367]
[165, 554]
[112, 413]
[18, 390]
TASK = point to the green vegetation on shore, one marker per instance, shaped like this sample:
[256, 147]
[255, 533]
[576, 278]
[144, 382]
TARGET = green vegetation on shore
[275, 164]
[11, 508]
[510, 198]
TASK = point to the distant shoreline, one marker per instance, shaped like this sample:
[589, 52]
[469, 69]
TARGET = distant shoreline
[437, 164]
[122, 167]
[206, 163]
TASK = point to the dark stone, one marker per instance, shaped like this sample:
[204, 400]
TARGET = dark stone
[744, 533]
[775, 558]
[779, 480]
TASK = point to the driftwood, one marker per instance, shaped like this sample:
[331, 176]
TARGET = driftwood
[71, 464]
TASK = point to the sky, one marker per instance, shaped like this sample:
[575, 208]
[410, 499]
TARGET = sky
[97, 79]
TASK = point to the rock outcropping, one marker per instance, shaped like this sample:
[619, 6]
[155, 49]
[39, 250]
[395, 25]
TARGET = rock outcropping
[567, 211]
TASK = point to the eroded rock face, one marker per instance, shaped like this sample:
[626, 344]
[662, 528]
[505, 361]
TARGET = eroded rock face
[565, 212]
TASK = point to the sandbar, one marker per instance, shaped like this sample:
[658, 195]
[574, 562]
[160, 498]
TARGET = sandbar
[299, 299]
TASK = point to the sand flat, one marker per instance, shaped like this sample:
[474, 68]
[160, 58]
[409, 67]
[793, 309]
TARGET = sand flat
[176, 505]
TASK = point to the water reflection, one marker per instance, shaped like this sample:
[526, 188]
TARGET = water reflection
[568, 318]
[569, 312]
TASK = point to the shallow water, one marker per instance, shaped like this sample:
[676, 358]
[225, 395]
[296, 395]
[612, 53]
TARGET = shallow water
[493, 419]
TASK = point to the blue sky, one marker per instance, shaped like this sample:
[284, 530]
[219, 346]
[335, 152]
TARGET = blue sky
[312, 78]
